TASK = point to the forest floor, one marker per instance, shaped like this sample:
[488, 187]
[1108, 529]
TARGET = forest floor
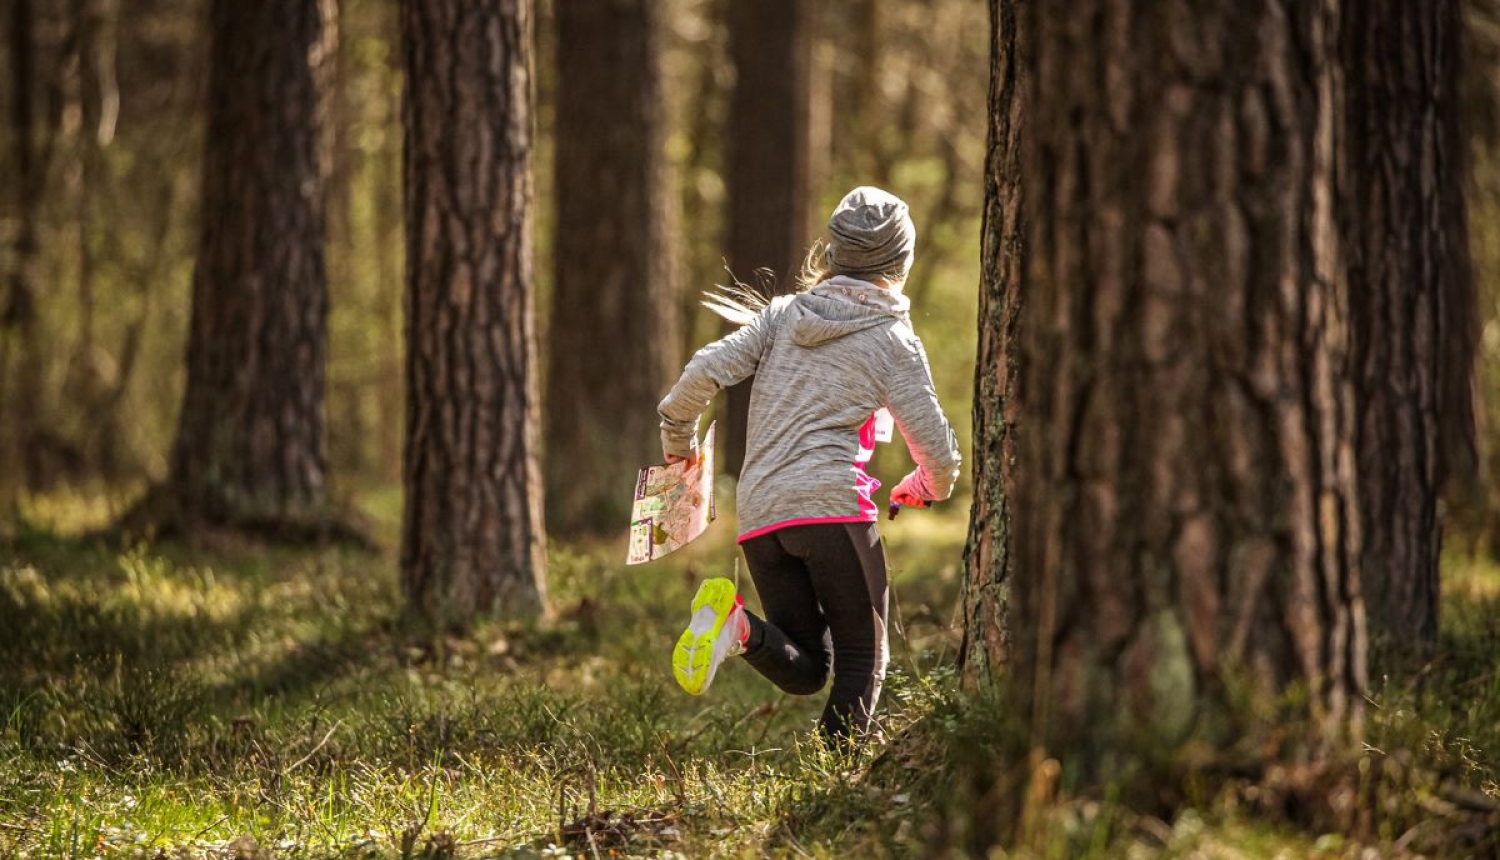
[228, 699]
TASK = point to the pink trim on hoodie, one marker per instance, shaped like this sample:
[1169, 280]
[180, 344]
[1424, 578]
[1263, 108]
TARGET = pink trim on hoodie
[866, 484]
[805, 521]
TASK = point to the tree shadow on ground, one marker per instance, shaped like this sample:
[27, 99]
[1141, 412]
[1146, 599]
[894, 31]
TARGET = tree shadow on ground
[123, 663]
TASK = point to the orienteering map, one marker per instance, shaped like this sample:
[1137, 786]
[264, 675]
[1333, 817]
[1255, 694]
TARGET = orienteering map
[673, 505]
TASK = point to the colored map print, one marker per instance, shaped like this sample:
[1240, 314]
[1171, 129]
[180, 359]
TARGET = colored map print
[673, 505]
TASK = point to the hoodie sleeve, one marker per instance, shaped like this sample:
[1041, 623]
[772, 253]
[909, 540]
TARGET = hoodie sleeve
[723, 363]
[912, 400]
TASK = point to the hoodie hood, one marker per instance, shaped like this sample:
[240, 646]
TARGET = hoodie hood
[842, 306]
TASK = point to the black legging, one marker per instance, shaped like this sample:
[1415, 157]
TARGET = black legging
[823, 589]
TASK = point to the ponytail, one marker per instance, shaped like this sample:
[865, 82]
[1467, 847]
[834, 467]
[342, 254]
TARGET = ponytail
[739, 303]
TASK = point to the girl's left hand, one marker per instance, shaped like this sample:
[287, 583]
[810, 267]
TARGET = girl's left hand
[905, 493]
[673, 459]
[907, 500]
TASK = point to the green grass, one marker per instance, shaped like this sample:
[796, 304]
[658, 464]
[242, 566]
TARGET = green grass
[231, 699]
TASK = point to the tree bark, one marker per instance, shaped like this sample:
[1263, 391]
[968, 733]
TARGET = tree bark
[20, 359]
[988, 553]
[250, 439]
[1185, 520]
[95, 36]
[472, 537]
[613, 339]
[1406, 243]
[1459, 404]
[769, 158]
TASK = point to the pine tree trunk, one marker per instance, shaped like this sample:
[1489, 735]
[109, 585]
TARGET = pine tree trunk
[1406, 263]
[20, 364]
[472, 536]
[250, 439]
[1185, 520]
[769, 157]
[613, 338]
[699, 217]
[988, 555]
[95, 25]
[1459, 425]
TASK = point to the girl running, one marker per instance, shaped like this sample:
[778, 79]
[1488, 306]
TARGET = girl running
[825, 360]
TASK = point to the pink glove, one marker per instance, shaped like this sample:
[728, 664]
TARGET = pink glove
[909, 493]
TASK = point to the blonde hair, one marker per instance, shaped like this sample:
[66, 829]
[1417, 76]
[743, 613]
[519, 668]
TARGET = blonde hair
[815, 268]
[740, 302]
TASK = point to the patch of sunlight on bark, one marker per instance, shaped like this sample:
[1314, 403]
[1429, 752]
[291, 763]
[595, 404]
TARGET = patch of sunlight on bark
[1172, 691]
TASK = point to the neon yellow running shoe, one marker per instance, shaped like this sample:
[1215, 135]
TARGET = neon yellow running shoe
[717, 630]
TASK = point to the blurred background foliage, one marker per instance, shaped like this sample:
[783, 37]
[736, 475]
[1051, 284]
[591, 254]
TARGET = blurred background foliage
[899, 97]
[1472, 512]
[898, 100]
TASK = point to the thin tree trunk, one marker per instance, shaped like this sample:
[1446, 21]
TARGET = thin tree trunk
[988, 555]
[613, 339]
[388, 233]
[347, 429]
[1407, 256]
[1459, 404]
[863, 116]
[1185, 520]
[769, 157]
[86, 23]
[96, 25]
[388, 229]
[472, 534]
[250, 441]
[20, 361]
[701, 211]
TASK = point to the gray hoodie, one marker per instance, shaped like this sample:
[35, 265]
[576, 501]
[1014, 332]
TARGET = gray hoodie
[824, 361]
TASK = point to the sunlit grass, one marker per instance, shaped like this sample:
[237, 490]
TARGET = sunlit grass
[1468, 579]
[197, 698]
[76, 510]
[226, 697]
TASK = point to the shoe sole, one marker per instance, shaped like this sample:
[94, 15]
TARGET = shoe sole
[702, 646]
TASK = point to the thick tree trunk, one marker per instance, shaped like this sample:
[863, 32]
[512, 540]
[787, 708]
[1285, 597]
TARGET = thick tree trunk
[1185, 520]
[988, 556]
[1407, 264]
[250, 440]
[613, 339]
[472, 536]
[769, 157]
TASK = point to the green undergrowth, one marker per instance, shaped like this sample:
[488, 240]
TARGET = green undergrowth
[228, 699]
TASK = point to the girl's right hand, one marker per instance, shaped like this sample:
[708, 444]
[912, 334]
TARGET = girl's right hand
[673, 459]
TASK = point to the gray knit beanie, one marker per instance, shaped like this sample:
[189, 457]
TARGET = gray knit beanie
[871, 234]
